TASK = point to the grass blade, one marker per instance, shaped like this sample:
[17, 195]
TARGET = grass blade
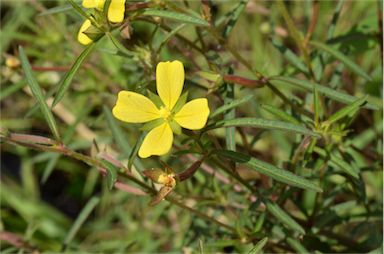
[88, 208]
[175, 16]
[342, 58]
[276, 173]
[330, 93]
[55, 10]
[264, 124]
[38, 94]
[231, 105]
[258, 246]
[64, 84]
[283, 217]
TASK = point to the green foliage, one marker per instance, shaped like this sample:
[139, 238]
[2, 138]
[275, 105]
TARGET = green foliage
[290, 159]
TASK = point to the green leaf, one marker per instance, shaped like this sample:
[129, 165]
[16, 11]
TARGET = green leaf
[258, 246]
[111, 173]
[117, 133]
[264, 124]
[169, 36]
[335, 18]
[230, 105]
[330, 93]
[348, 110]
[230, 132]
[296, 245]
[264, 168]
[291, 57]
[341, 57]
[233, 17]
[38, 94]
[66, 81]
[175, 16]
[337, 162]
[88, 208]
[283, 217]
[280, 113]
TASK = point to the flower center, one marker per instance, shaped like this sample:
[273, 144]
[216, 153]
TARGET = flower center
[165, 113]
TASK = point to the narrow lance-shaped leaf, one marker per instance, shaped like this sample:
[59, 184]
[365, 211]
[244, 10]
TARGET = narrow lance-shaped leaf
[233, 17]
[230, 105]
[264, 124]
[296, 245]
[337, 162]
[175, 16]
[280, 113]
[346, 110]
[340, 56]
[169, 36]
[291, 57]
[259, 246]
[229, 116]
[274, 172]
[38, 94]
[330, 93]
[283, 217]
[66, 81]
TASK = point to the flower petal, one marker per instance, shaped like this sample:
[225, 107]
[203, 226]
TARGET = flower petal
[169, 82]
[116, 11]
[157, 142]
[134, 108]
[194, 114]
[82, 37]
[93, 4]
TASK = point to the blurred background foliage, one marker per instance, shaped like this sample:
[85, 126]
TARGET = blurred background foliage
[51, 202]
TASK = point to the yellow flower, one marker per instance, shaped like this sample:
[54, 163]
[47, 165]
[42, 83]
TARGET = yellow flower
[116, 8]
[135, 108]
[115, 14]
[81, 36]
